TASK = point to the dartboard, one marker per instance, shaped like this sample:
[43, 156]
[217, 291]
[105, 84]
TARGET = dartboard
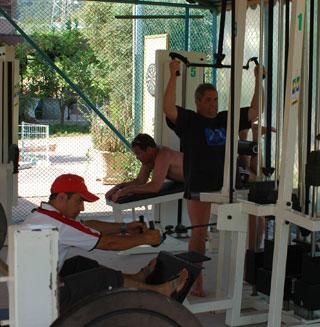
[151, 79]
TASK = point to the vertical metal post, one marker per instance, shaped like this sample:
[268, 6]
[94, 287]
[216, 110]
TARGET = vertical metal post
[214, 45]
[268, 153]
[310, 102]
[279, 113]
[233, 118]
[293, 87]
[2, 106]
[317, 93]
[47, 143]
[186, 29]
[303, 121]
[260, 104]
[232, 106]
[137, 78]
[22, 140]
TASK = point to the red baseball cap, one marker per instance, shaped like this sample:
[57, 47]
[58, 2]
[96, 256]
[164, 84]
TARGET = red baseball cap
[72, 183]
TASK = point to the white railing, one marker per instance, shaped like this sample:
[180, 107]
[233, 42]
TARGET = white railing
[34, 143]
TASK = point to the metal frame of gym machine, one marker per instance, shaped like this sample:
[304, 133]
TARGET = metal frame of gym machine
[232, 223]
[233, 216]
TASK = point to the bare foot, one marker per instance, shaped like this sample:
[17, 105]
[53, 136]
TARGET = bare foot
[144, 272]
[198, 293]
[175, 285]
[197, 288]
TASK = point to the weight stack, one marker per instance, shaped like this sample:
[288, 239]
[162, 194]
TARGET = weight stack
[293, 268]
[294, 257]
[307, 289]
[264, 283]
[262, 192]
[254, 261]
[313, 169]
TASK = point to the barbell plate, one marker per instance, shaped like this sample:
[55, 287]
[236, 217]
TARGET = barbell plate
[128, 307]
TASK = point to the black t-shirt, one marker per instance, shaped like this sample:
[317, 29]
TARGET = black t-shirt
[203, 144]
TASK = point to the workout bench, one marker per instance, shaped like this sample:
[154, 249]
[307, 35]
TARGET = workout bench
[170, 191]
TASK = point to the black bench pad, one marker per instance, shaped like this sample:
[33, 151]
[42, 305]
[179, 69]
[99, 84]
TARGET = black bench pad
[167, 188]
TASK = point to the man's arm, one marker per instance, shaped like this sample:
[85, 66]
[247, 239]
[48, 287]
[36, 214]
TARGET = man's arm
[114, 189]
[254, 107]
[139, 181]
[124, 242]
[142, 178]
[169, 100]
[103, 227]
[160, 171]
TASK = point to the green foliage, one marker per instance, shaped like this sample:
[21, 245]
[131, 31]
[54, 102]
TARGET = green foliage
[102, 137]
[69, 50]
[130, 167]
[66, 130]
[111, 41]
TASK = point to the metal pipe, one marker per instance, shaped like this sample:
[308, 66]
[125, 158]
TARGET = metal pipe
[286, 42]
[303, 118]
[310, 92]
[220, 55]
[214, 41]
[153, 3]
[184, 90]
[158, 16]
[317, 95]
[269, 91]
[232, 109]
[279, 106]
[186, 29]
[317, 81]
[259, 88]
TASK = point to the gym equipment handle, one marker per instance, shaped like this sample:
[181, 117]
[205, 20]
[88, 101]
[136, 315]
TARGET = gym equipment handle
[182, 58]
[185, 60]
[163, 237]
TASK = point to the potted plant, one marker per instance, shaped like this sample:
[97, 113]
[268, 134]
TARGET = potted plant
[109, 152]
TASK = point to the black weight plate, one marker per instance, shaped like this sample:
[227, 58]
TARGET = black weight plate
[128, 307]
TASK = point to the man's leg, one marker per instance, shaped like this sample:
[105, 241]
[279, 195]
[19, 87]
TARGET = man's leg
[167, 288]
[144, 272]
[199, 213]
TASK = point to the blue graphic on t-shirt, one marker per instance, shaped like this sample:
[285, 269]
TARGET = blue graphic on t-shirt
[215, 136]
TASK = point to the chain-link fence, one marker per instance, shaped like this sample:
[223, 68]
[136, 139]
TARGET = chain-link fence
[100, 46]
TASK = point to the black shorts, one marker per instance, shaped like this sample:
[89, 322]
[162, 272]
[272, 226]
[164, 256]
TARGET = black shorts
[201, 183]
[81, 277]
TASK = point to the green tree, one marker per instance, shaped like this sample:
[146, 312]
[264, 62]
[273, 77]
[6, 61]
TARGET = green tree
[111, 40]
[71, 52]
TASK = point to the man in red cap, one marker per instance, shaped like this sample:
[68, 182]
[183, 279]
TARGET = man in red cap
[81, 276]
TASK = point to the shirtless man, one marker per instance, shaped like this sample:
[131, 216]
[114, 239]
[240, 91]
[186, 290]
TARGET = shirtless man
[162, 161]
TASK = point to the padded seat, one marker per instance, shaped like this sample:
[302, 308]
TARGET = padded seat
[169, 191]
[167, 188]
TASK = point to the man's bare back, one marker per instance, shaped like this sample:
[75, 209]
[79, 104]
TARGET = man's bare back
[175, 160]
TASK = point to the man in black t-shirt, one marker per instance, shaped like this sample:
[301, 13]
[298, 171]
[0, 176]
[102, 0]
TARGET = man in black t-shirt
[202, 135]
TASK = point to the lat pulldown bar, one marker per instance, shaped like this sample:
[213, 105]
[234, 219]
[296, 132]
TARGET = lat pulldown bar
[185, 60]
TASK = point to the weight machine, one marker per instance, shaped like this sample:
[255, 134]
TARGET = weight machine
[9, 87]
[231, 222]
[9, 153]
